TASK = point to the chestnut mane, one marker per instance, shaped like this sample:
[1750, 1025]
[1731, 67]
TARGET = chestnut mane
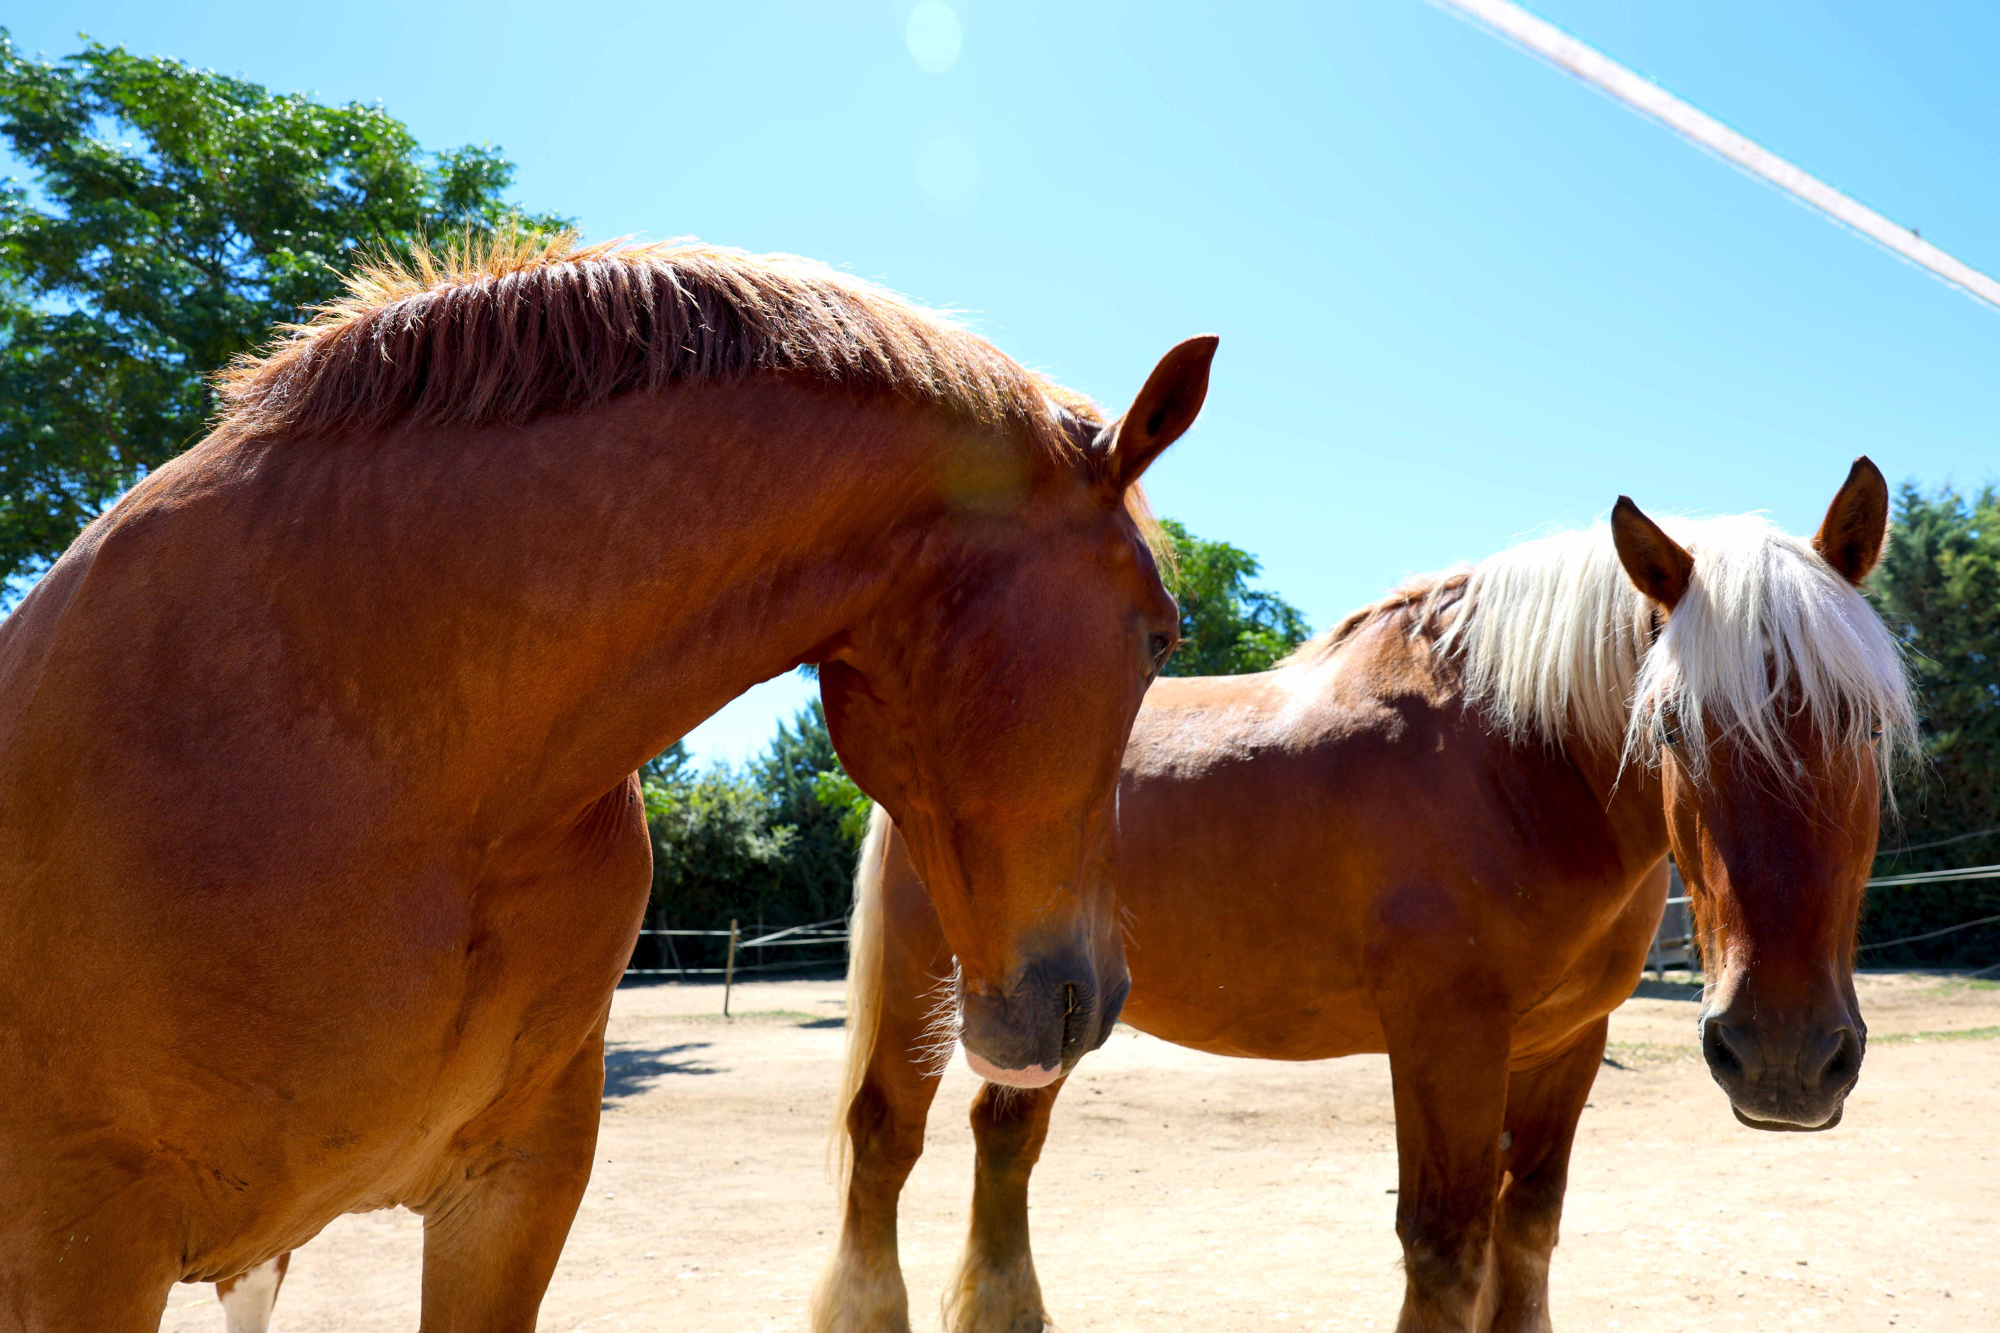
[501, 331]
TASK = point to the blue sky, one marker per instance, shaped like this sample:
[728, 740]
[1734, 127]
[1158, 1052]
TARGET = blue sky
[1461, 296]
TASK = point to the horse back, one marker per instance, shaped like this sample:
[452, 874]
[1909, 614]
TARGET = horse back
[1298, 846]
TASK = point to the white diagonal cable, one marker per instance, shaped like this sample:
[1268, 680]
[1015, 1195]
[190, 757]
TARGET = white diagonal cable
[1642, 95]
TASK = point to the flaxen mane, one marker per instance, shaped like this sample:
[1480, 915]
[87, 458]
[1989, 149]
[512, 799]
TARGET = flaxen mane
[1553, 643]
[503, 331]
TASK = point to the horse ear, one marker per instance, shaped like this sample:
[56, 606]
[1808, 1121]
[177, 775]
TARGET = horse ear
[1657, 564]
[1856, 525]
[1161, 413]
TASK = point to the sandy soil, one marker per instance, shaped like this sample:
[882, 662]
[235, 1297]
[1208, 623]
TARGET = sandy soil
[1189, 1191]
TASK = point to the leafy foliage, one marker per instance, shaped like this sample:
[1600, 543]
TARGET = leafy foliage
[1227, 627]
[760, 846]
[177, 216]
[820, 869]
[841, 793]
[716, 853]
[1940, 585]
[665, 768]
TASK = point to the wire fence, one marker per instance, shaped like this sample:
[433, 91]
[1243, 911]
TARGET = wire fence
[817, 934]
[1936, 876]
[1893, 852]
[1673, 941]
[1926, 877]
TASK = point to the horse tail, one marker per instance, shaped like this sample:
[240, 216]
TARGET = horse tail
[865, 946]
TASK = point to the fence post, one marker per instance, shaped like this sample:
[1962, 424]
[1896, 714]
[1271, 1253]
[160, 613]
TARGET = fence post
[729, 968]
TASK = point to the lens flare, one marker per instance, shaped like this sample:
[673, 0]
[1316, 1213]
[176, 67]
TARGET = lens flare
[934, 36]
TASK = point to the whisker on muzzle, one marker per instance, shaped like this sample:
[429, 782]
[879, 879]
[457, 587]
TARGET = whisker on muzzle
[939, 1039]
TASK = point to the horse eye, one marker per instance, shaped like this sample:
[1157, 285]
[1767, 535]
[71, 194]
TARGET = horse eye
[1666, 733]
[1161, 647]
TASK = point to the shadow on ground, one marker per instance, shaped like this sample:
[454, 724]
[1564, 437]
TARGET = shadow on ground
[631, 1070]
[1667, 990]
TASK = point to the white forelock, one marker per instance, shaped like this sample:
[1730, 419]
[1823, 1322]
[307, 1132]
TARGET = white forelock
[1556, 644]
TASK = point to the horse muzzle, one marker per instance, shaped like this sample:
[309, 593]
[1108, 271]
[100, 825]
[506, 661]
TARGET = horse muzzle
[1034, 1032]
[1784, 1076]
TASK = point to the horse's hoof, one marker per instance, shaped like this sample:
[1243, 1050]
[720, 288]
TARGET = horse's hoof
[850, 1299]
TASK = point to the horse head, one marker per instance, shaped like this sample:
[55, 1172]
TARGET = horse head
[1771, 701]
[988, 715]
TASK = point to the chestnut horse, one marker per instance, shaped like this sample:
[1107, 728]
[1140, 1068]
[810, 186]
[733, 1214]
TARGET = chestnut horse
[321, 852]
[1438, 832]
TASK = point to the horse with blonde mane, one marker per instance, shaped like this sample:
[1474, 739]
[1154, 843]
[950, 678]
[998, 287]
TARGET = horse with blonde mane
[1439, 832]
[321, 850]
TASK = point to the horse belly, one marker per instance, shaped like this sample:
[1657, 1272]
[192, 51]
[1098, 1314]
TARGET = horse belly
[1305, 1026]
[1234, 982]
[1243, 951]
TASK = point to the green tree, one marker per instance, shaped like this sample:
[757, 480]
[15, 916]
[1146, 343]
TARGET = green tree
[1939, 584]
[177, 215]
[759, 845]
[716, 854]
[843, 794]
[820, 863]
[665, 768]
[1227, 626]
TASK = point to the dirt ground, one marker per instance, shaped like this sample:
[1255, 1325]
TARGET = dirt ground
[1185, 1191]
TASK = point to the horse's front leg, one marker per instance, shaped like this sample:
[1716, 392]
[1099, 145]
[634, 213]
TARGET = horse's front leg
[493, 1233]
[862, 1290]
[1448, 1066]
[248, 1298]
[894, 1030]
[994, 1289]
[1542, 1110]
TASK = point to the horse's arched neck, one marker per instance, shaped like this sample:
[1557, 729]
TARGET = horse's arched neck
[563, 600]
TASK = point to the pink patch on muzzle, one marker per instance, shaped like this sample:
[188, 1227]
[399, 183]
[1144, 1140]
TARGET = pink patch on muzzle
[1034, 1076]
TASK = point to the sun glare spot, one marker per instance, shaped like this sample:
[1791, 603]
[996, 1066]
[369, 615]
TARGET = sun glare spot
[934, 35]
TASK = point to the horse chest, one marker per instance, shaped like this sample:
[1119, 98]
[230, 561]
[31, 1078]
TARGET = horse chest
[548, 947]
[507, 977]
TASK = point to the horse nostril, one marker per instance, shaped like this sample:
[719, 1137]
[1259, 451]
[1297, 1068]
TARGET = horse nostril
[1073, 1017]
[1720, 1051]
[1843, 1064]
